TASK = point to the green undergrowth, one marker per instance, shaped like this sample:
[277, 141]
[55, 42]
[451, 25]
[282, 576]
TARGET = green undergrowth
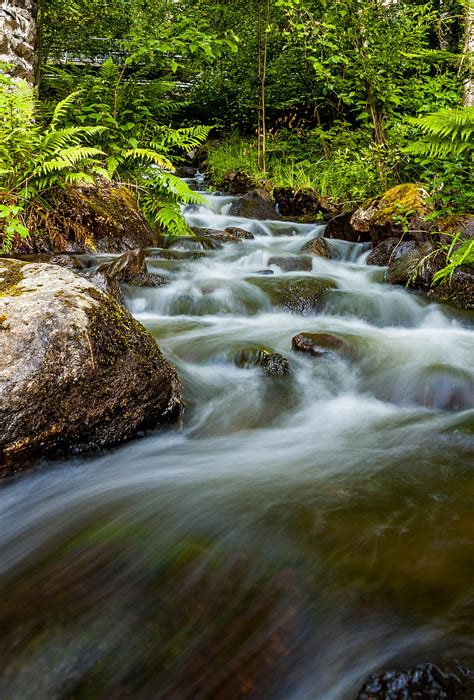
[345, 173]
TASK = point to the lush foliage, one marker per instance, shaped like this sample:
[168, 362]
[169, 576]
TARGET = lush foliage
[36, 158]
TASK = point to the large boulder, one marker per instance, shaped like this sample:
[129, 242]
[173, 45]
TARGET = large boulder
[103, 218]
[76, 370]
[382, 253]
[257, 204]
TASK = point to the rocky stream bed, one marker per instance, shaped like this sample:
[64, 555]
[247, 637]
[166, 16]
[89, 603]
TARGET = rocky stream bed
[307, 532]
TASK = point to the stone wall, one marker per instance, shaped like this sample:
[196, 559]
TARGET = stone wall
[17, 36]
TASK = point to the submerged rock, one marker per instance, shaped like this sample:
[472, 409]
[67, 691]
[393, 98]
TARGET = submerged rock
[306, 295]
[257, 204]
[216, 235]
[423, 682]
[317, 247]
[319, 344]
[273, 364]
[292, 263]
[76, 370]
[197, 243]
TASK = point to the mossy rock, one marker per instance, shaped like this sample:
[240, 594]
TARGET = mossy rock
[77, 370]
[399, 211]
[307, 295]
[279, 288]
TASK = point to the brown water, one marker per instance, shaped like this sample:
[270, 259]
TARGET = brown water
[296, 535]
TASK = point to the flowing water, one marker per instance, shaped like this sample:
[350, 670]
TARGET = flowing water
[296, 534]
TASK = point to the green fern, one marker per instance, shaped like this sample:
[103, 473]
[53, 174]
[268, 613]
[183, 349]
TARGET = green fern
[448, 132]
[36, 159]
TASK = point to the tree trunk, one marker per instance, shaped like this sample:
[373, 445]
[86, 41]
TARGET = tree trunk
[17, 36]
[468, 61]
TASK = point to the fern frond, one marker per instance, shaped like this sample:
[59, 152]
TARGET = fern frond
[446, 132]
[62, 108]
[148, 155]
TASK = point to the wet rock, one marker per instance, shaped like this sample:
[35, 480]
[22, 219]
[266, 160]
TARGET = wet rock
[292, 263]
[236, 182]
[414, 265]
[168, 254]
[240, 233]
[273, 364]
[76, 370]
[306, 295]
[340, 227]
[257, 204]
[457, 290]
[423, 682]
[317, 247]
[127, 265]
[293, 202]
[319, 344]
[265, 272]
[130, 268]
[218, 236]
[382, 253]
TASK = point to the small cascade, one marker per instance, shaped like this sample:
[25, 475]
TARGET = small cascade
[305, 527]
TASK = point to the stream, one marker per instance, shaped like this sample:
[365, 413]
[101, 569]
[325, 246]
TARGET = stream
[295, 535]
